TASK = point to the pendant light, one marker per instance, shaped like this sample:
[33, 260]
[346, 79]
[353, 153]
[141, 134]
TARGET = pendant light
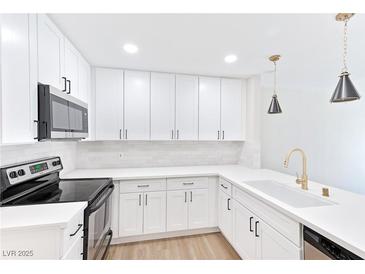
[345, 90]
[274, 105]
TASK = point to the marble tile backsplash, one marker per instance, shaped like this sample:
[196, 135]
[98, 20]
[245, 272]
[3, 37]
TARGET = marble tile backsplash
[10, 154]
[114, 154]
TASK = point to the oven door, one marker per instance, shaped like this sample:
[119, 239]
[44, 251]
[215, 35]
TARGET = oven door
[98, 232]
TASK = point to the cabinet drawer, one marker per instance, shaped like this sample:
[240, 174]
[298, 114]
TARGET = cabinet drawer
[225, 186]
[187, 183]
[142, 185]
[283, 224]
[73, 231]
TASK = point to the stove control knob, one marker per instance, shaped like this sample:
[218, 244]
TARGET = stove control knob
[13, 175]
[55, 163]
[21, 172]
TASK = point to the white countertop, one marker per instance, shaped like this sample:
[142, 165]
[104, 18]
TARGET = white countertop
[344, 222]
[44, 215]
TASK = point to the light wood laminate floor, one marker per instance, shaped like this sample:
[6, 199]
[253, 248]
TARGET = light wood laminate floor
[211, 246]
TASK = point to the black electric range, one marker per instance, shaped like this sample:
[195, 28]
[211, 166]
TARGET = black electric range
[38, 182]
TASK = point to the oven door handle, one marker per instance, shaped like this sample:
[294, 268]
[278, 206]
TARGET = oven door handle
[110, 234]
[102, 201]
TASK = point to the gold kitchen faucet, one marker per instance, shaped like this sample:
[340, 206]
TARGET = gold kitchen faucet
[303, 180]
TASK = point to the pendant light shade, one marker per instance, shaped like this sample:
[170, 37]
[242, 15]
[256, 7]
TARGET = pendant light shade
[274, 105]
[345, 90]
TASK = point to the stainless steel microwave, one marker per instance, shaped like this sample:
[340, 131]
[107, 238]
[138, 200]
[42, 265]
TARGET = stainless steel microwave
[60, 115]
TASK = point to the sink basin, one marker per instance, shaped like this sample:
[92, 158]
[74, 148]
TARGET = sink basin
[289, 195]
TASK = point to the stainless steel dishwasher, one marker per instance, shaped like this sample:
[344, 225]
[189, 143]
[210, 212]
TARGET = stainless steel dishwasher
[318, 247]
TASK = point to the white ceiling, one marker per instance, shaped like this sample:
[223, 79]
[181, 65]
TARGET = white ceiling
[310, 44]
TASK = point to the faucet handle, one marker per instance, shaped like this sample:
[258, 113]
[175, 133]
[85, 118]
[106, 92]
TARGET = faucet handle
[298, 180]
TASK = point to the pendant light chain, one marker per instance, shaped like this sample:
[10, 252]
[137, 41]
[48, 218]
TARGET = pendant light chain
[344, 69]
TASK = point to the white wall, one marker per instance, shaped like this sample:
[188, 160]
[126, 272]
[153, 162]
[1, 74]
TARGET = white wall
[332, 135]
[10, 154]
[111, 154]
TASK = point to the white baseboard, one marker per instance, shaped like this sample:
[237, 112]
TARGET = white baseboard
[163, 235]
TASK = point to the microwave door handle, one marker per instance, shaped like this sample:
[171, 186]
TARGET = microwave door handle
[101, 202]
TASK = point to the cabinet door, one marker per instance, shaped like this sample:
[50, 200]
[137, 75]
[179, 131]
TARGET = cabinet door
[17, 87]
[231, 109]
[187, 99]
[50, 53]
[209, 108]
[130, 214]
[244, 232]
[72, 69]
[84, 80]
[108, 104]
[225, 217]
[162, 106]
[137, 105]
[154, 212]
[177, 210]
[75, 251]
[274, 246]
[198, 208]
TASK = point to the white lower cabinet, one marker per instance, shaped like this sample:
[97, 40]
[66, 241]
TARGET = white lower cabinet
[243, 232]
[154, 214]
[130, 214]
[225, 216]
[76, 250]
[253, 238]
[187, 209]
[177, 210]
[142, 213]
[274, 246]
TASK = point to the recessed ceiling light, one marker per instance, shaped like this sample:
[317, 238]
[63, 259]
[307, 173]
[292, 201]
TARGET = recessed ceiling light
[230, 58]
[130, 48]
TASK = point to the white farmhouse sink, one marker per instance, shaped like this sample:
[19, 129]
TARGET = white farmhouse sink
[294, 197]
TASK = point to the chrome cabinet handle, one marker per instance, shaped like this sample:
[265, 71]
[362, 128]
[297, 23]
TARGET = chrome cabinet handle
[185, 197]
[256, 235]
[223, 135]
[228, 200]
[146, 199]
[225, 187]
[172, 134]
[191, 196]
[77, 230]
[188, 184]
[251, 218]
[126, 134]
[139, 199]
[120, 134]
[177, 134]
[218, 135]
[143, 185]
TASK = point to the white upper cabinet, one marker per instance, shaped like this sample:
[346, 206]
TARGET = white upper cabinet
[50, 53]
[162, 106]
[18, 78]
[209, 108]
[231, 109]
[108, 104]
[187, 100]
[71, 69]
[84, 80]
[136, 105]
